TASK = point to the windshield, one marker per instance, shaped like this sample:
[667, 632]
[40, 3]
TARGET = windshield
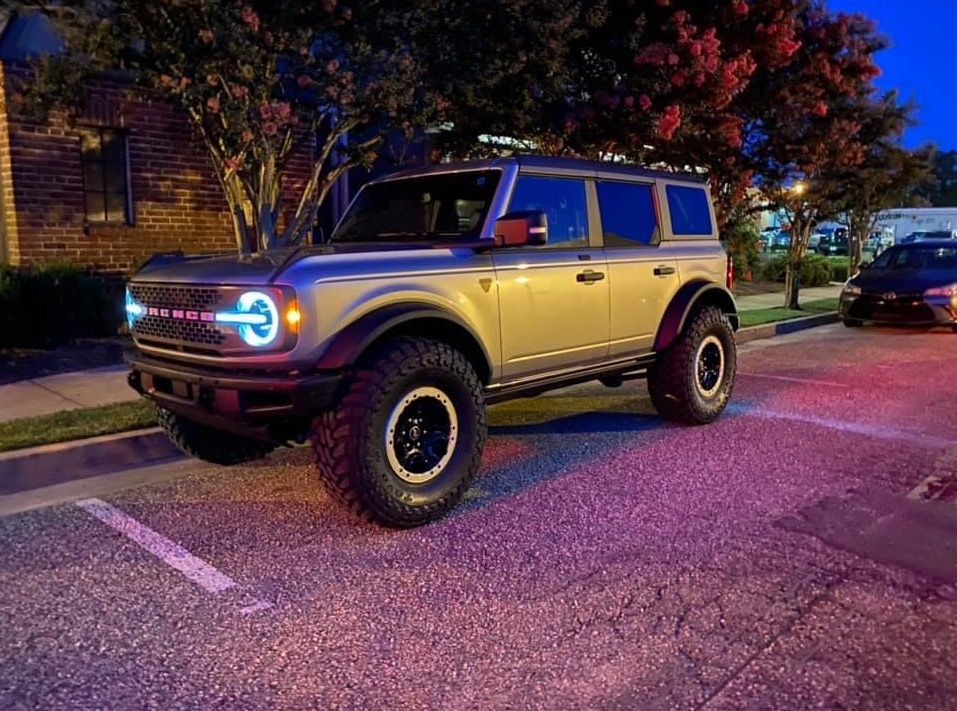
[916, 256]
[429, 207]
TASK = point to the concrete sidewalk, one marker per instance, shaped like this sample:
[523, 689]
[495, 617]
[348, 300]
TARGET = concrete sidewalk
[105, 386]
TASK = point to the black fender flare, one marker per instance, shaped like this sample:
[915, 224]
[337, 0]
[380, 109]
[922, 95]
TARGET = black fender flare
[688, 297]
[347, 346]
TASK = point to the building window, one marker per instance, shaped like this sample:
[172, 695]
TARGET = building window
[105, 176]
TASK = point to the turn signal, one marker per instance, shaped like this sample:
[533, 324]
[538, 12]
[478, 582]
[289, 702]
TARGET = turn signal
[293, 317]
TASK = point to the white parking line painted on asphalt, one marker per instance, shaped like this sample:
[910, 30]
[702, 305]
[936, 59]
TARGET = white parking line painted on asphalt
[174, 555]
[860, 428]
[804, 381]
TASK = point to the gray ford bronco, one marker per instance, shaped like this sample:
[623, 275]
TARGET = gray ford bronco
[441, 290]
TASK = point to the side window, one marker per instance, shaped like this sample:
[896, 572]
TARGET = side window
[105, 184]
[562, 200]
[690, 213]
[628, 216]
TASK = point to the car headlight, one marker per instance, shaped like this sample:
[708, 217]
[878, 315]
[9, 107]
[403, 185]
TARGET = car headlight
[257, 316]
[949, 291]
[133, 309]
[851, 290]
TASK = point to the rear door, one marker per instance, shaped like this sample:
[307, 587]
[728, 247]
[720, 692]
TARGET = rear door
[643, 275]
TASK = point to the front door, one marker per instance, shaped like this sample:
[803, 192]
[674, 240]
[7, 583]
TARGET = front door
[554, 299]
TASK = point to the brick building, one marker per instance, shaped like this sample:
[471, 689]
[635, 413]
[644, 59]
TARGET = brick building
[122, 181]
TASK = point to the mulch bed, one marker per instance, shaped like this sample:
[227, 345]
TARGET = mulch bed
[750, 288]
[83, 354]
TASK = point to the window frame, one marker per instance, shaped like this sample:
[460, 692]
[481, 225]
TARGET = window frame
[656, 236]
[667, 189]
[102, 191]
[589, 202]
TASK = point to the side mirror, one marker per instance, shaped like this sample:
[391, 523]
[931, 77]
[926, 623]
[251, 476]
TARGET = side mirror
[520, 228]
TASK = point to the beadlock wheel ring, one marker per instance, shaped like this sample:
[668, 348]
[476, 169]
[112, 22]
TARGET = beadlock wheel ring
[421, 434]
[709, 366]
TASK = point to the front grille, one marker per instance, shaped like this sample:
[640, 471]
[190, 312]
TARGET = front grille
[180, 320]
[176, 297]
[903, 308]
[186, 332]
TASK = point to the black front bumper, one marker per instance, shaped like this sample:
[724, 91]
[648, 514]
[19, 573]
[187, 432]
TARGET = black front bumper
[254, 403]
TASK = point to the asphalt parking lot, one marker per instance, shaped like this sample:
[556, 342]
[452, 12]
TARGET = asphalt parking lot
[801, 552]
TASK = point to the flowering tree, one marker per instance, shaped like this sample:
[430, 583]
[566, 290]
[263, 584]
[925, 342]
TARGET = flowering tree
[260, 82]
[888, 173]
[810, 141]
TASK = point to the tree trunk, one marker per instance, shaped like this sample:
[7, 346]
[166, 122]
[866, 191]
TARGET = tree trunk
[792, 288]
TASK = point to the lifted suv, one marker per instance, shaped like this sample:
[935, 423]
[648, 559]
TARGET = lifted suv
[441, 290]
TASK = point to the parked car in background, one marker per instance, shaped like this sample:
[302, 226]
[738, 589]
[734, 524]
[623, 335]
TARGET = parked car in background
[779, 242]
[907, 284]
[878, 241]
[833, 243]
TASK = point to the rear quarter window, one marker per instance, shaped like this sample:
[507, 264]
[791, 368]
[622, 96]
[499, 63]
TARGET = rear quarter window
[690, 210]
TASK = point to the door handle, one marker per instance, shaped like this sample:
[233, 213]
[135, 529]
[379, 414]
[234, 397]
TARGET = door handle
[589, 276]
[664, 271]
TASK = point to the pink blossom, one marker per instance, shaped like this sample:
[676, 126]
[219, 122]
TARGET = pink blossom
[206, 36]
[270, 128]
[669, 122]
[213, 104]
[303, 81]
[240, 91]
[250, 17]
[644, 102]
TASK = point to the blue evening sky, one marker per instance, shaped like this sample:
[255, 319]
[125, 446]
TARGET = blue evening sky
[919, 62]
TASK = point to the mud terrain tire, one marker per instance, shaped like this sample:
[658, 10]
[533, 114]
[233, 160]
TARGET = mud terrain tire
[405, 440]
[693, 378]
[208, 444]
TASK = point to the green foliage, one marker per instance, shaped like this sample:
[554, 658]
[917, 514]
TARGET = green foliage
[50, 304]
[815, 270]
[941, 190]
[740, 238]
[259, 80]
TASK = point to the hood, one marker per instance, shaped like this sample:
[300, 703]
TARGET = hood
[903, 280]
[251, 269]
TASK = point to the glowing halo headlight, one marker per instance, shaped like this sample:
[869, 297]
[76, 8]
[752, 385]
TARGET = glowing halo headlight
[257, 317]
[133, 309]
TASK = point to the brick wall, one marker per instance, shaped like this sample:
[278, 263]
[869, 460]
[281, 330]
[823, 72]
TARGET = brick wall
[177, 200]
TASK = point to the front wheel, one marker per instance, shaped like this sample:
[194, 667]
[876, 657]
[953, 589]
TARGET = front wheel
[405, 440]
[693, 378]
[210, 445]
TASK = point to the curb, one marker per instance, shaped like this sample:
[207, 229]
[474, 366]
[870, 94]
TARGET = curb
[781, 328]
[38, 467]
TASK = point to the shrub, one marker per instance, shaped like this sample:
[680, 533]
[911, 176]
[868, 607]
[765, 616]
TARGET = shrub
[815, 270]
[740, 238]
[49, 304]
[839, 272]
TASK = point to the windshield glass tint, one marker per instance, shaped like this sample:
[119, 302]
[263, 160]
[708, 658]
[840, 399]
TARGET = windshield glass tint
[428, 207]
[917, 257]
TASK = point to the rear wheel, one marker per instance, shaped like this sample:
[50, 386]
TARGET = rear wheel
[405, 440]
[211, 445]
[693, 378]
[852, 322]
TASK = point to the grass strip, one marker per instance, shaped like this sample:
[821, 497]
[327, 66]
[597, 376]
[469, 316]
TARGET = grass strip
[758, 317]
[76, 424]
